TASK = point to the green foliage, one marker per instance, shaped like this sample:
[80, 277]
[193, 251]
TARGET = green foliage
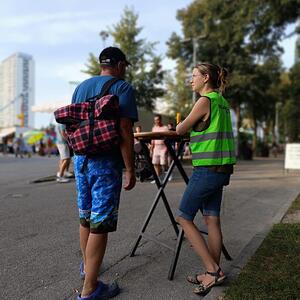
[179, 96]
[244, 37]
[93, 66]
[291, 108]
[145, 74]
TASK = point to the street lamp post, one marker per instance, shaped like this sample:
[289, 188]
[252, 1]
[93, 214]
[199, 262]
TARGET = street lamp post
[195, 48]
[195, 52]
[104, 35]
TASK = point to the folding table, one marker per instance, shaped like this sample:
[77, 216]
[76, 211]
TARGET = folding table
[169, 138]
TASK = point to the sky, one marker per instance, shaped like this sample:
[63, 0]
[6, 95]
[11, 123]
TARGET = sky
[61, 34]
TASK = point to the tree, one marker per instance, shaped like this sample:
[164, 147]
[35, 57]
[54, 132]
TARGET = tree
[146, 74]
[179, 95]
[244, 37]
[291, 108]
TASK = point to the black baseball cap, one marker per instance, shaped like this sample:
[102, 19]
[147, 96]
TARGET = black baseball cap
[110, 56]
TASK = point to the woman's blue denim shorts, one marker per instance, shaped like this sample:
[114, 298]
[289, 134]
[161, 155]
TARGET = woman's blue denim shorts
[203, 192]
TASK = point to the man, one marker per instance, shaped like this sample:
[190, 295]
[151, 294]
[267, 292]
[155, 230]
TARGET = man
[64, 154]
[99, 184]
[158, 147]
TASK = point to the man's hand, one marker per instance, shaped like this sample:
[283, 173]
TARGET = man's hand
[130, 180]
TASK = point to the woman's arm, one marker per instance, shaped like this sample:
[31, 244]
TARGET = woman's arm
[200, 109]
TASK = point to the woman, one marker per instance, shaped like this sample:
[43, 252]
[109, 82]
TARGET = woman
[213, 155]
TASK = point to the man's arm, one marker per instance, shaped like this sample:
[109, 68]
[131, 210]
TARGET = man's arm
[126, 145]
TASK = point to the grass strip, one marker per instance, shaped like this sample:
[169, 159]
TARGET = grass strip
[295, 206]
[274, 271]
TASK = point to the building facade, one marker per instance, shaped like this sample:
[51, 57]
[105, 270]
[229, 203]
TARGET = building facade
[17, 91]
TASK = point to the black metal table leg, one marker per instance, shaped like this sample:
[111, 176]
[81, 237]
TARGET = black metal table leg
[176, 255]
[159, 194]
[161, 185]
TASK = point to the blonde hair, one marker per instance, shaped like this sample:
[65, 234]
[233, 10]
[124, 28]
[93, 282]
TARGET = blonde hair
[217, 75]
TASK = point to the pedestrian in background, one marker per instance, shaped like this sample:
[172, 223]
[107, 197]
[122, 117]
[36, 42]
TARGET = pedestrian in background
[63, 173]
[158, 148]
[99, 184]
[137, 143]
[19, 146]
[5, 146]
[42, 147]
[213, 156]
[49, 146]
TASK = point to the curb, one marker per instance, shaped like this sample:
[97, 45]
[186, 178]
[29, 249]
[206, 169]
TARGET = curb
[44, 179]
[247, 252]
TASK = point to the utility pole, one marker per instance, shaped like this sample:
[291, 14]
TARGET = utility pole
[195, 48]
[195, 41]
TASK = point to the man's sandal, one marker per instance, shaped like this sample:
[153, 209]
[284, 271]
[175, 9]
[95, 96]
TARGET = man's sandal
[203, 289]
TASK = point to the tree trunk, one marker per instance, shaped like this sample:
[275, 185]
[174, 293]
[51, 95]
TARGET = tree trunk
[238, 126]
[254, 139]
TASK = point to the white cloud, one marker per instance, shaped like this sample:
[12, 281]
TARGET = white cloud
[13, 22]
[69, 72]
[51, 29]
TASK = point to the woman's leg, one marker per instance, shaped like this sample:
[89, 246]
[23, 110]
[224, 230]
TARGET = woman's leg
[197, 241]
[214, 237]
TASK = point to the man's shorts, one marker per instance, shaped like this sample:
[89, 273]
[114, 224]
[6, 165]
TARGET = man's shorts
[98, 193]
[64, 151]
[203, 192]
[159, 156]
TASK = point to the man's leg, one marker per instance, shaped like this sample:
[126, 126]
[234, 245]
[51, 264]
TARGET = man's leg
[84, 233]
[94, 252]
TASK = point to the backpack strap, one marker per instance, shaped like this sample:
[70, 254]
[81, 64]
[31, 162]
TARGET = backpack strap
[107, 86]
[105, 89]
[104, 92]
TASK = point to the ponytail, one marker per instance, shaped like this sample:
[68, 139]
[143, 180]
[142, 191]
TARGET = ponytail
[222, 79]
[217, 75]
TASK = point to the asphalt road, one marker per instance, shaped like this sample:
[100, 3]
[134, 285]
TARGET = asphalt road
[39, 248]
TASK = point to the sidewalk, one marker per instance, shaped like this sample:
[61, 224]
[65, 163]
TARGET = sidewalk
[259, 194]
[39, 247]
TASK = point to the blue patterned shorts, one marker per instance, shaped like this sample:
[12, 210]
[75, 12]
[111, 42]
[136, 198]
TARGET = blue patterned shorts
[98, 192]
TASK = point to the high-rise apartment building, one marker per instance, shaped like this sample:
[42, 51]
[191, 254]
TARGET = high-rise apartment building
[17, 91]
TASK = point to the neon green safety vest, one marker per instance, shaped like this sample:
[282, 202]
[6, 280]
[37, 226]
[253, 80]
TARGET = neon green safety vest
[214, 145]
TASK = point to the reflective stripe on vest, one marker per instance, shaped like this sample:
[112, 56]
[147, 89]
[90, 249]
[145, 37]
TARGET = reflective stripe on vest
[212, 136]
[213, 155]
